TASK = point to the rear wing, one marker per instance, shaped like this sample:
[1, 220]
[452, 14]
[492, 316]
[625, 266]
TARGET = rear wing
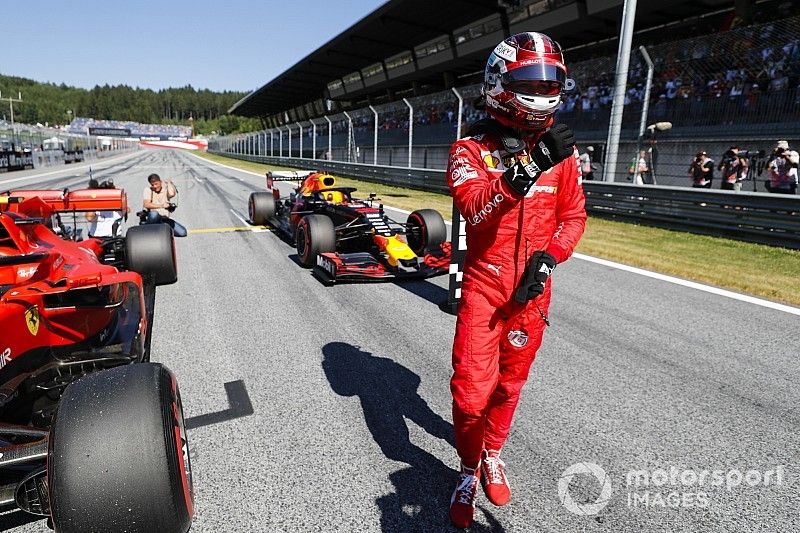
[64, 200]
[287, 175]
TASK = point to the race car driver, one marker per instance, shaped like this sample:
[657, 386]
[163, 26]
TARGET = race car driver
[516, 181]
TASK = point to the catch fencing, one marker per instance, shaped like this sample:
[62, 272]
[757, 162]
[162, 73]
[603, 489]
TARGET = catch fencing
[729, 88]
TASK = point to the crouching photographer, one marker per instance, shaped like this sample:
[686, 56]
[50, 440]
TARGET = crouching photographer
[159, 202]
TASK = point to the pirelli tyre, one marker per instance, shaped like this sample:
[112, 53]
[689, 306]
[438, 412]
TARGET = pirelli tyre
[261, 208]
[118, 455]
[150, 251]
[425, 230]
[315, 235]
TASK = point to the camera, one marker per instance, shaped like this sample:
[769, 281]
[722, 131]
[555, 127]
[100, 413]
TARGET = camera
[752, 154]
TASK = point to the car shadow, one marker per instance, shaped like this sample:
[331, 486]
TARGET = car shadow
[426, 290]
[20, 518]
[388, 394]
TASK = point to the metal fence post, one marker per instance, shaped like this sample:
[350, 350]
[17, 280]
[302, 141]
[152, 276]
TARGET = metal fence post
[300, 127]
[623, 60]
[330, 129]
[349, 137]
[375, 139]
[410, 129]
[460, 112]
[313, 138]
[646, 98]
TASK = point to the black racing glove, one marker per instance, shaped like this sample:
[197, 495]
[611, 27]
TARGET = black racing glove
[557, 144]
[554, 146]
[539, 269]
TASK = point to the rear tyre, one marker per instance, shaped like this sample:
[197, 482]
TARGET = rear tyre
[261, 208]
[425, 230]
[118, 457]
[315, 235]
[150, 251]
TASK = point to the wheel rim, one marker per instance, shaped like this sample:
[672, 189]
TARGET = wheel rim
[302, 242]
[182, 449]
[418, 232]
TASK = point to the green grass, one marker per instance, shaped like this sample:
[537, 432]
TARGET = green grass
[765, 271]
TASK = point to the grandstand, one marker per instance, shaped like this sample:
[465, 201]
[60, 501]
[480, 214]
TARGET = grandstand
[133, 129]
[720, 74]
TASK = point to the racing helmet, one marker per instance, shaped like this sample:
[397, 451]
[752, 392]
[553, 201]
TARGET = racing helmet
[524, 81]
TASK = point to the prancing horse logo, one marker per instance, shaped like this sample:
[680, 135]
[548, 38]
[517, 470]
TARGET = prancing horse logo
[32, 320]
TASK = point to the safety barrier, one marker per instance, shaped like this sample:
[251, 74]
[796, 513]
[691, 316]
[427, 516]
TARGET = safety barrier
[763, 218]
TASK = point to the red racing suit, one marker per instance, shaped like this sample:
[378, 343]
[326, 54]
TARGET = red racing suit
[496, 339]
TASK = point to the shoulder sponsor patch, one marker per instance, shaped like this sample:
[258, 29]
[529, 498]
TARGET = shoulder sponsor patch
[461, 172]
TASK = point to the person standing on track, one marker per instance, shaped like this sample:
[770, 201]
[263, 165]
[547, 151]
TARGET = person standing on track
[516, 180]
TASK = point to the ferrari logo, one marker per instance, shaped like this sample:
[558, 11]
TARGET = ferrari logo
[32, 320]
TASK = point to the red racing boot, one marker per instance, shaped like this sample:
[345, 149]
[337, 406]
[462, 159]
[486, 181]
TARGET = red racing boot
[462, 502]
[493, 478]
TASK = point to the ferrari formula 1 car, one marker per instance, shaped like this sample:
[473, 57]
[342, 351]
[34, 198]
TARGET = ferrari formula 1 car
[87, 438]
[345, 238]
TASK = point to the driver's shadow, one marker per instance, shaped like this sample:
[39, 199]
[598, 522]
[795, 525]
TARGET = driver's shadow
[388, 394]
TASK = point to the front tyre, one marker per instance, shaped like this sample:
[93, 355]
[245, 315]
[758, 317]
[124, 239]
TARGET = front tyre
[119, 458]
[425, 230]
[315, 235]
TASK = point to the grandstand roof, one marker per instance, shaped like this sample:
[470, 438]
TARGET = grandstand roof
[401, 26]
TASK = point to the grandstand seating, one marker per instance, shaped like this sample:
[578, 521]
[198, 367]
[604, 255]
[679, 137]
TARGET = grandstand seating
[81, 124]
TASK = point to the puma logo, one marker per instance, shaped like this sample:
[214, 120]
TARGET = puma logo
[495, 268]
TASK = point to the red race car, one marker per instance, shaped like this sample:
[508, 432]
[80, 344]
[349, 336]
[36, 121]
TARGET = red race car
[86, 437]
[346, 238]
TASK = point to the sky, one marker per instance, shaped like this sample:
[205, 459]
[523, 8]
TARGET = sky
[218, 45]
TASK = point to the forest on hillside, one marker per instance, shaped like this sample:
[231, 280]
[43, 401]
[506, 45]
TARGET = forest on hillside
[52, 104]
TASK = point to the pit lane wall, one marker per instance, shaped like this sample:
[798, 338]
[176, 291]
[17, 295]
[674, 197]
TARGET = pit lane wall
[763, 218]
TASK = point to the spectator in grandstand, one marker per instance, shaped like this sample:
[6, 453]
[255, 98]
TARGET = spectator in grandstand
[701, 170]
[639, 170]
[159, 203]
[587, 169]
[734, 169]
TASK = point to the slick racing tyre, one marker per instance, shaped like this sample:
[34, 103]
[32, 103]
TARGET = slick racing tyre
[150, 251]
[261, 208]
[118, 457]
[315, 235]
[425, 230]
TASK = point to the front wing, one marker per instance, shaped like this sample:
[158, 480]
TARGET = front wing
[363, 266]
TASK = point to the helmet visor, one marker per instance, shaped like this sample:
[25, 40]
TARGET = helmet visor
[538, 79]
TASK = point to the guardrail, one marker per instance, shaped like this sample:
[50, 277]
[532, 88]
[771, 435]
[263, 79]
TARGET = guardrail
[763, 218]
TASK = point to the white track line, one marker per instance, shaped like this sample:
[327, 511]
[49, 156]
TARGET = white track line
[71, 168]
[619, 266]
[692, 284]
[237, 215]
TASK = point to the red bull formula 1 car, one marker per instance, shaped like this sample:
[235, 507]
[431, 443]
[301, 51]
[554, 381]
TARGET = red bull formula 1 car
[345, 238]
[87, 438]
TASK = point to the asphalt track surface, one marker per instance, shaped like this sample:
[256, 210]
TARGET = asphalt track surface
[328, 409]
